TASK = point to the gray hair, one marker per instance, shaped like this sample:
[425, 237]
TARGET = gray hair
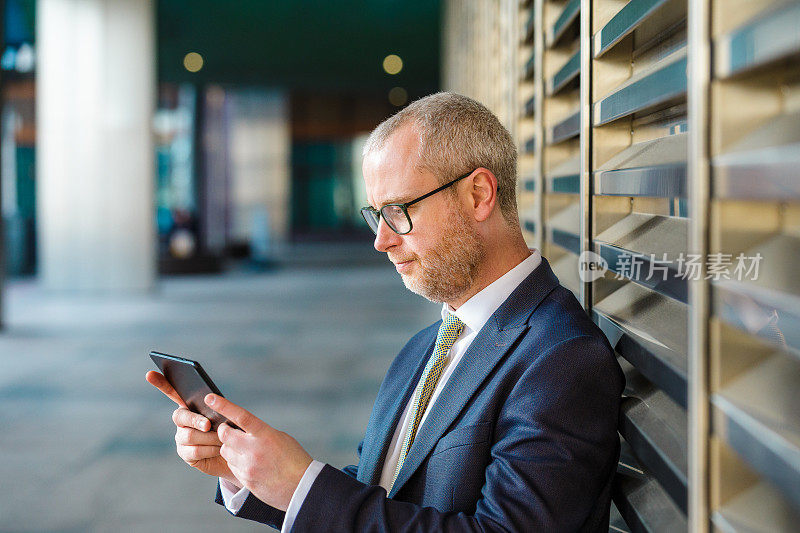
[457, 135]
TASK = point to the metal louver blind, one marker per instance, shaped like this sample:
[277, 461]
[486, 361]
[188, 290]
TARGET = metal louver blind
[529, 133]
[664, 136]
[754, 220]
[559, 157]
[637, 172]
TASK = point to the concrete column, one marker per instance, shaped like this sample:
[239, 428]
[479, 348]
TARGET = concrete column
[95, 159]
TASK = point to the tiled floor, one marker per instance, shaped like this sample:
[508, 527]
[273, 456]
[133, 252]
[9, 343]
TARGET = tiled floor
[87, 444]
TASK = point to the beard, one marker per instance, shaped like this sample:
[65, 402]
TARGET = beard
[448, 270]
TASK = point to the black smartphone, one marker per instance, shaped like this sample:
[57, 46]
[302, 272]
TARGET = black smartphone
[192, 384]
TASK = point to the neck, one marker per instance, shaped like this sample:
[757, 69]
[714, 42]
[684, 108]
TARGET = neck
[501, 256]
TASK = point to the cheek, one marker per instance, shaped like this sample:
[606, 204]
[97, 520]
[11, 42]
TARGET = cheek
[430, 227]
[418, 247]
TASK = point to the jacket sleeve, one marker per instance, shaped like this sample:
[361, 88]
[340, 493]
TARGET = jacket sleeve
[255, 509]
[553, 453]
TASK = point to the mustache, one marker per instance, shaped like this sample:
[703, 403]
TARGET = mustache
[396, 260]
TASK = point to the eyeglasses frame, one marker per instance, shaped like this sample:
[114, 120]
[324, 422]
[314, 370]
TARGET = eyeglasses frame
[404, 207]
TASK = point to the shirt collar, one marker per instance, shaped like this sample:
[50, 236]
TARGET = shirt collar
[476, 311]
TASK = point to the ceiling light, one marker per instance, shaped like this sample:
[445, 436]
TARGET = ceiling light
[398, 96]
[392, 64]
[193, 61]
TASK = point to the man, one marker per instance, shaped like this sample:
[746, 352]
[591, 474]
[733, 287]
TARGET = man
[501, 417]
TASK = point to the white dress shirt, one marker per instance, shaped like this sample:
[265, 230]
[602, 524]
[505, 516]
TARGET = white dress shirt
[473, 313]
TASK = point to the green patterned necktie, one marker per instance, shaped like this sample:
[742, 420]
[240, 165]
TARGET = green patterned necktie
[449, 331]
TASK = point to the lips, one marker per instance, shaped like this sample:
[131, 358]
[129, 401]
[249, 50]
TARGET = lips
[402, 266]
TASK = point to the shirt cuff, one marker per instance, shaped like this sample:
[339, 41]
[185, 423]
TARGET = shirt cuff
[300, 494]
[232, 496]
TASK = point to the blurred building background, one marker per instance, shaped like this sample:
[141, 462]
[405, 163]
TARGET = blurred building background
[258, 114]
[146, 139]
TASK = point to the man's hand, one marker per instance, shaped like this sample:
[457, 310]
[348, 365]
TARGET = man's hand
[196, 445]
[269, 462]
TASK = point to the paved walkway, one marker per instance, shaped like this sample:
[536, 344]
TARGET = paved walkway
[88, 444]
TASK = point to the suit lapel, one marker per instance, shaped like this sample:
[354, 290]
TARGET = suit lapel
[477, 362]
[389, 406]
[490, 346]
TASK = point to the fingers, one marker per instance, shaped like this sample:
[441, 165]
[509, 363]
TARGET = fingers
[185, 418]
[238, 415]
[160, 382]
[231, 455]
[230, 436]
[186, 436]
[192, 454]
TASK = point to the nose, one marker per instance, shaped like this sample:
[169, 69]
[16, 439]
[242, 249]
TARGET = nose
[385, 238]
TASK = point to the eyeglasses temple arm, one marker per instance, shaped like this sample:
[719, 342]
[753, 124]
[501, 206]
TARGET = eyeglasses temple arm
[443, 187]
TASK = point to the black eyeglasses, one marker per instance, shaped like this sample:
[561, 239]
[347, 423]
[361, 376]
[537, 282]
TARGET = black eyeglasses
[396, 215]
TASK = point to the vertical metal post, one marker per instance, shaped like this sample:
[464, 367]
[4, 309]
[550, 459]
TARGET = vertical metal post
[586, 142]
[698, 96]
[511, 16]
[538, 92]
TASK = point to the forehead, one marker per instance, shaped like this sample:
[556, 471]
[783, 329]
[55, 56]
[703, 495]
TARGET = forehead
[391, 173]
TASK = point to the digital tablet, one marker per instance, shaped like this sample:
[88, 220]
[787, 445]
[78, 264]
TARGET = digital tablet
[191, 383]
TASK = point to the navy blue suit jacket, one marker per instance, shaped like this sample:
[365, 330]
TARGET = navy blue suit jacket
[522, 438]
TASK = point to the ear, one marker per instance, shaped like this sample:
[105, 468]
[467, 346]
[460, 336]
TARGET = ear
[483, 194]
